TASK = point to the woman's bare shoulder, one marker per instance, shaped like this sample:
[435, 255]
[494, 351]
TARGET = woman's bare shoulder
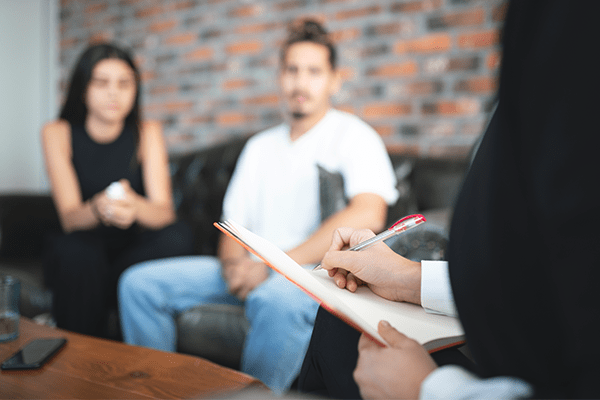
[58, 129]
[151, 127]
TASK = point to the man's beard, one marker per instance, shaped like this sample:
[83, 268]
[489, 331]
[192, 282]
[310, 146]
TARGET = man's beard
[297, 115]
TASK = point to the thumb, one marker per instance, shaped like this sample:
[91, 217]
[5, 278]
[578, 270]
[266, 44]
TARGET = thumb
[391, 335]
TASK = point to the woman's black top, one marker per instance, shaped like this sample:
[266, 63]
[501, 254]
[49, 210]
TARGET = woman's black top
[99, 164]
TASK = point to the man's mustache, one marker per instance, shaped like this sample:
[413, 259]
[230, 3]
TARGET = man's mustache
[297, 94]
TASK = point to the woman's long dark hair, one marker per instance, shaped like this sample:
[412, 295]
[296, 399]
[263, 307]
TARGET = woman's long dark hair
[74, 109]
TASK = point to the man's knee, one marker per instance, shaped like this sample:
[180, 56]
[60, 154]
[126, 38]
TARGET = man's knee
[133, 283]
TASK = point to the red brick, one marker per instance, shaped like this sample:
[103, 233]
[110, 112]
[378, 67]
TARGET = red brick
[245, 11]
[256, 28]
[163, 89]
[467, 18]
[382, 110]
[149, 12]
[180, 5]
[249, 46]
[202, 53]
[70, 42]
[391, 28]
[416, 6]
[344, 35]
[499, 12]
[427, 44]
[289, 5]
[267, 99]
[199, 119]
[346, 73]
[481, 84]
[463, 64]
[424, 88]
[146, 76]
[177, 106]
[139, 60]
[384, 130]
[493, 59]
[233, 118]
[478, 39]
[320, 18]
[99, 37]
[407, 68]
[358, 12]
[452, 107]
[162, 26]
[181, 39]
[232, 84]
[95, 8]
[450, 151]
[127, 2]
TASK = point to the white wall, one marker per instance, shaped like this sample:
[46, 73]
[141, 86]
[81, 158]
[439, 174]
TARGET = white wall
[28, 90]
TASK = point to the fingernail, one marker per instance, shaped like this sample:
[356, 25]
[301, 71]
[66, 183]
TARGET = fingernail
[385, 323]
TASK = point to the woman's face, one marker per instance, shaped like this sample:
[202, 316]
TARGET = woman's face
[111, 92]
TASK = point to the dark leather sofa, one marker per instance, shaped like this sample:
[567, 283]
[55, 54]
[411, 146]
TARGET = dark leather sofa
[200, 179]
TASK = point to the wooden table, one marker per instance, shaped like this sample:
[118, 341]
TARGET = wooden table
[88, 367]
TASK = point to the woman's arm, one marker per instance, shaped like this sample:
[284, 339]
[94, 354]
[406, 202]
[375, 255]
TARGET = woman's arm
[74, 214]
[156, 210]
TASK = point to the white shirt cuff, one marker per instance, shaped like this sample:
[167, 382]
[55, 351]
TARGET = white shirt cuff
[453, 382]
[436, 292]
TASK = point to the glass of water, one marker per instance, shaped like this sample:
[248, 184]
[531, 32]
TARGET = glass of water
[10, 289]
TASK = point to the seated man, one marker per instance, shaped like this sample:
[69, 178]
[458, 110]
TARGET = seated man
[274, 192]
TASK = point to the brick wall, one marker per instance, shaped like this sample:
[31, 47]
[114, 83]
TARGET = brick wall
[422, 72]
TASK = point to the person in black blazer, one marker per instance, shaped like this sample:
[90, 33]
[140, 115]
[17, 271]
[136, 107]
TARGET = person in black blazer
[522, 256]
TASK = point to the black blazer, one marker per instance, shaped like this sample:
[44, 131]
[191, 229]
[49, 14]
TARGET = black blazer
[525, 234]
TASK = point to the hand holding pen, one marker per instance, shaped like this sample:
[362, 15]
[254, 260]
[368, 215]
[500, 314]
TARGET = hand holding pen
[402, 225]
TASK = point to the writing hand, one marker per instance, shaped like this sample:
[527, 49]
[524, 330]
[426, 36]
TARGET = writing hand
[393, 372]
[387, 274]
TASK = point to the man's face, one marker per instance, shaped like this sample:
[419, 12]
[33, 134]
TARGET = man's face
[307, 79]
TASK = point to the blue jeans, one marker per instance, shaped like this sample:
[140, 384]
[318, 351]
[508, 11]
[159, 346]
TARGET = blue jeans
[281, 316]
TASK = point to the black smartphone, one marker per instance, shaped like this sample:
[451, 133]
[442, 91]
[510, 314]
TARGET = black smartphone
[34, 354]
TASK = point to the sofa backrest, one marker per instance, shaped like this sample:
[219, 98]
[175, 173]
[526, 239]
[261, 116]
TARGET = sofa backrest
[200, 180]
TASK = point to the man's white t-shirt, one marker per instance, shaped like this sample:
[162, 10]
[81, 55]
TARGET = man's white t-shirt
[274, 190]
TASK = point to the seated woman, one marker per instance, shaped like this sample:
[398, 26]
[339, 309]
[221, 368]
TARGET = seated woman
[99, 139]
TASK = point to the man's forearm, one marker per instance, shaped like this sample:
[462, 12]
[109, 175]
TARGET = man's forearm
[229, 251]
[365, 211]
